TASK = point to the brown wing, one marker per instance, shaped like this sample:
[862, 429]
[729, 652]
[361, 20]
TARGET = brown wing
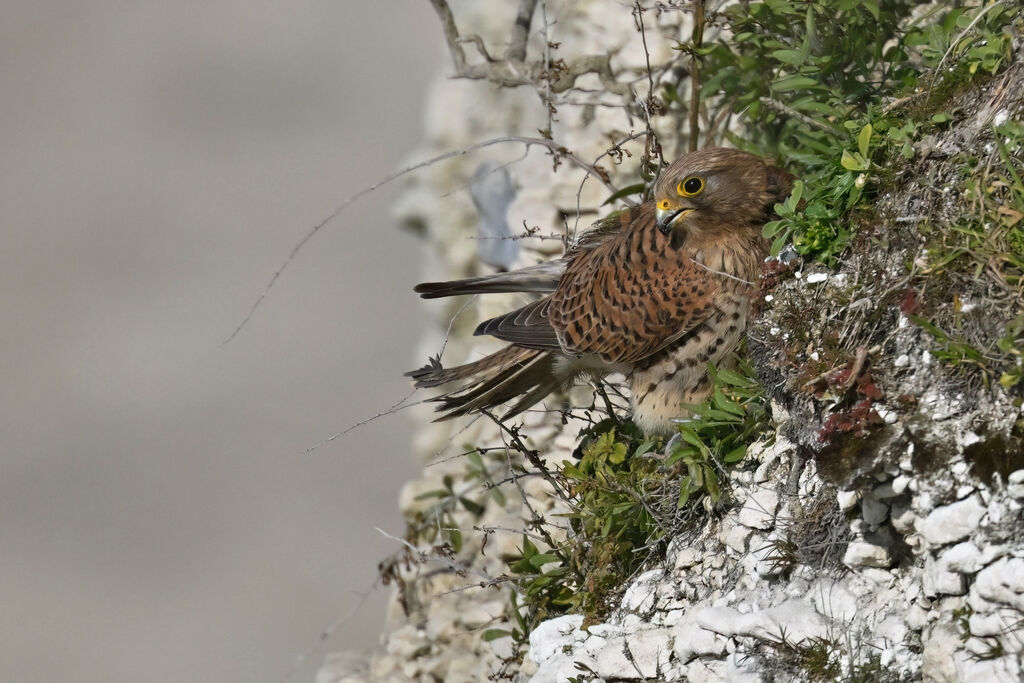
[529, 327]
[631, 296]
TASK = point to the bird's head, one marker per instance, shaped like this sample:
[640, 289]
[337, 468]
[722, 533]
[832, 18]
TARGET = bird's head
[718, 189]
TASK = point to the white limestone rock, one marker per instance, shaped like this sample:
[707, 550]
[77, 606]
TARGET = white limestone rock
[1003, 582]
[686, 558]
[952, 523]
[833, 599]
[1015, 484]
[692, 640]
[552, 635]
[792, 619]
[864, 554]
[706, 671]
[735, 537]
[847, 499]
[739, 668]
[940, 580]
[759, 510]
[903, 518]
[967, 558]
[939, 661]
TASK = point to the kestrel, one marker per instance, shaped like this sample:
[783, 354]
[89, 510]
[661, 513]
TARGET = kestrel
[655, 292]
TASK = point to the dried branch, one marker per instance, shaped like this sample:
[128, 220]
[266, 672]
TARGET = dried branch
[558, 151]
[514, 70]
[521, 32]
[696, 42]
[531, 455]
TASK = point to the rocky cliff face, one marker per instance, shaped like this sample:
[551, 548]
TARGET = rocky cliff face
[873, 535]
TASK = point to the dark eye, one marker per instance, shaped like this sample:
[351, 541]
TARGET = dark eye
[691, 186]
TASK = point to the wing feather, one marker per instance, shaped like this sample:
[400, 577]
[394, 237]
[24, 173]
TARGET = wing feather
[633, 295]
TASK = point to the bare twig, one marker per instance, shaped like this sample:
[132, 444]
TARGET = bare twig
[536, 521]
[521, 31]
[556, 150]
[397, 407]
[519, 532]
[514, 70]
[793, 113]
[457, 567]
[721, 117]
[695, 44]
[532, 455]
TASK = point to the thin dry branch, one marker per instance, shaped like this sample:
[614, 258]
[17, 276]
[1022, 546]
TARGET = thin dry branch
[515, 70]
[695, 44]
[557, 151]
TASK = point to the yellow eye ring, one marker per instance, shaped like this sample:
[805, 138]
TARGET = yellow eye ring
[691, 186]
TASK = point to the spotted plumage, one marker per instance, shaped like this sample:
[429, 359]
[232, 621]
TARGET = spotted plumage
[655, 292]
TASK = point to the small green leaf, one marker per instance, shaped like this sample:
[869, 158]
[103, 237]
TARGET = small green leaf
[854, 162]
[734, 378]
[455, 536]
[691, 438]
[863, 142]
[618, 454]
[771, 228]
[736, 454]
[471, 505]
[635, 188]
[437, 493]
[539, 561]
[711, 484]
[779, 243]
[790, 83]
[794, 197]
[495, 633]
[645, 447]
[684, 491]
[498, 496]
[794, 57]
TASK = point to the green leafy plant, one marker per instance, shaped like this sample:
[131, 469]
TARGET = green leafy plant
[629, 498]
[806, 81]
[718, 434]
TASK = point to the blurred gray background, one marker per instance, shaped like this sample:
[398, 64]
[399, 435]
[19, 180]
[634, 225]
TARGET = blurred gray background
[158, 518]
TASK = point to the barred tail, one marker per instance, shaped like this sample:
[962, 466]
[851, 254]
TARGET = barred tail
[513, 373]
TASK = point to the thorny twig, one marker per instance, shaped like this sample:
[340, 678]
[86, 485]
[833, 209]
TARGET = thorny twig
[532, 455]
[695, 44]
[557, 151]
[423, 557]
[536, 521]
[514, 69]
[650, 105]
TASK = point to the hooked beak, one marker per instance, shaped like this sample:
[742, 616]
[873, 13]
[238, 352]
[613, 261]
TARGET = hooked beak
[666, 218]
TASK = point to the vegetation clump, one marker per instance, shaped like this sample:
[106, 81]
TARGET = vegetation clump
[857, 98]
